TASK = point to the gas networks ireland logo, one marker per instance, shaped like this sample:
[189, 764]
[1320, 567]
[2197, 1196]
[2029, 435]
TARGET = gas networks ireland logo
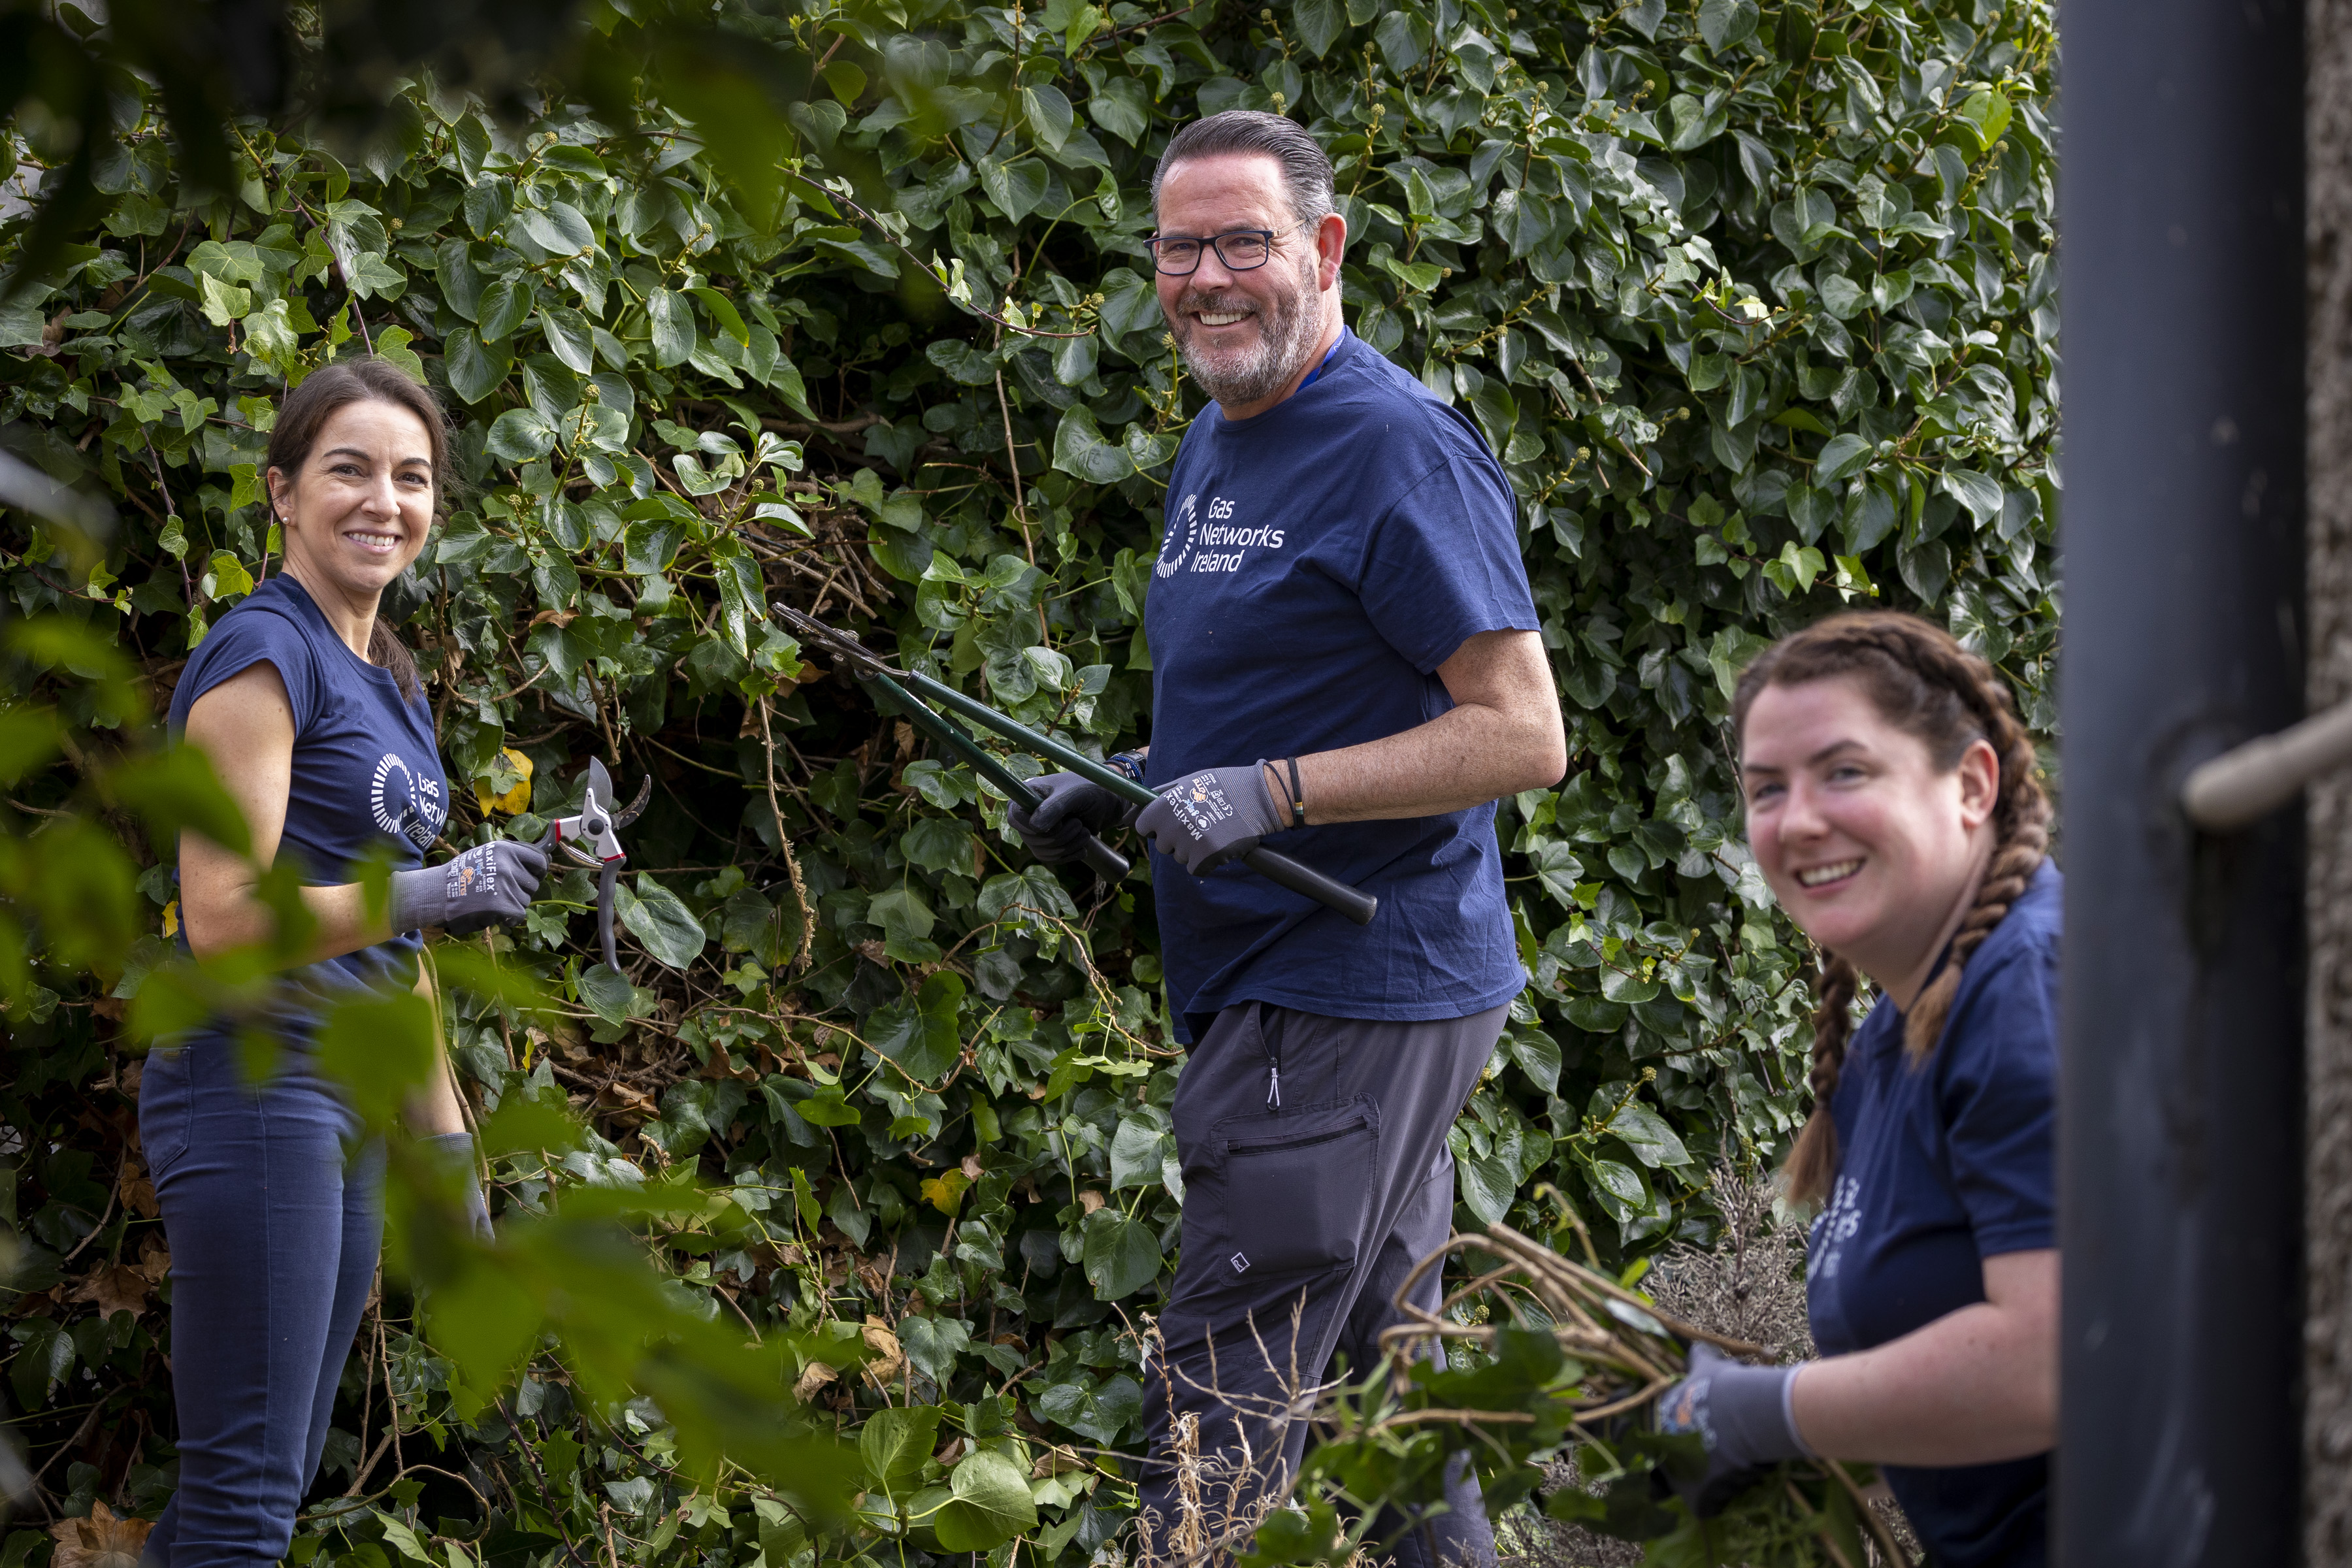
[1182, 528]
[1223, 547]
[404, 805]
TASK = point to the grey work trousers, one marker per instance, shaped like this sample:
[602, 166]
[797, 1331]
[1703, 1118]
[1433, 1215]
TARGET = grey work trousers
[1316, 1175]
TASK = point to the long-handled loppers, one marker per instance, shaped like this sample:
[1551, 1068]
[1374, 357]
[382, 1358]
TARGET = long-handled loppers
[900, 687]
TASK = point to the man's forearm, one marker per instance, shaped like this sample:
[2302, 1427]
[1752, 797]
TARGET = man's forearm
[1463, 757]
[1503, 734]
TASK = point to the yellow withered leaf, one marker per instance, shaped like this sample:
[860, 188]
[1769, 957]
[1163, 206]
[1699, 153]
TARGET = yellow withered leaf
[517, 800]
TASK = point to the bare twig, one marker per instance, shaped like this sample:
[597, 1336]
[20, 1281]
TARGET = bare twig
[784, 842]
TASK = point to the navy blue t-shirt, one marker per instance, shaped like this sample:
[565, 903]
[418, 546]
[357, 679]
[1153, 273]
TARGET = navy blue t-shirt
[1321, 562]
[367, 775]
[1938, 1169]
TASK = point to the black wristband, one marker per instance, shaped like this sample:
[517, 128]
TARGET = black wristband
[1298, 795]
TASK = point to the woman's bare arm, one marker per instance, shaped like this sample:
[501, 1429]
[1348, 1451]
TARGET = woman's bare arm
[245, 726]
[1974, 1386]
[434, 1109]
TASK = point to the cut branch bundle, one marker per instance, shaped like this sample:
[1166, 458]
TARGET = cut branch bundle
[1628, 1352]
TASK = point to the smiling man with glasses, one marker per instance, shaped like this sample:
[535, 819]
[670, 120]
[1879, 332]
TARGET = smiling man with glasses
[1346, 665]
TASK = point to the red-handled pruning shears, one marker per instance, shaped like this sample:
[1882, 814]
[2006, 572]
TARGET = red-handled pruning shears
[592, 839]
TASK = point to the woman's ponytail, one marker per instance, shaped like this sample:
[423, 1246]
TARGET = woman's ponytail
[1814, 1159]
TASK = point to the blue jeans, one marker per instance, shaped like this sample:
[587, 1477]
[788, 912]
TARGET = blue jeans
[273, 1208]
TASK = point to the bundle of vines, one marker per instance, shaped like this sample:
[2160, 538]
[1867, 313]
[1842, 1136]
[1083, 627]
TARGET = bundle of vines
[1548, 1360]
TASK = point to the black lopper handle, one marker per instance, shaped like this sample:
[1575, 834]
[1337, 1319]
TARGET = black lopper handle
[1108, 863]
[1277, 868]
[1306, 881]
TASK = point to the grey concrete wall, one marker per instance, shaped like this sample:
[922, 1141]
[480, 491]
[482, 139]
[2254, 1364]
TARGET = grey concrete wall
[2328, 1411]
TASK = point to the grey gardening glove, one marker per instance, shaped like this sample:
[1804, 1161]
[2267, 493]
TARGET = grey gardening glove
[1073, 809]
[1208, 818]
[455, 1152]
[491, 884]
[1742, 1412]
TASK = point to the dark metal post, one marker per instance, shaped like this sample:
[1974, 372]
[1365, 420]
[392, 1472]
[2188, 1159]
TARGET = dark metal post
[2181, 1119]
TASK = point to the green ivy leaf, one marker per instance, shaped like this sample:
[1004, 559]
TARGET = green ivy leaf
[1137, 1150]
[722, 311]
[1538, 1055]
[569, 337]
[1842, 456]
[829, 1107]
[674, 331]
[1985, 112]
[475, 371]
[560, 230]
[1320, 24]
[506, 305]
[380, 1048]
[895, 1443]
[1973, 491]
[1618, 1187]
[1079, 449]
[1645, 1133]
[223, 305]
[1487, 1186]
[1121, 1255]
[45, 1355]
[659, 920]
[933, 1343]
[1016, 188]
[989, 1504]
[937, 843]
[1122, 106]
[519, 434]
[921, 1033]
[1723, 23]
[1049, 114]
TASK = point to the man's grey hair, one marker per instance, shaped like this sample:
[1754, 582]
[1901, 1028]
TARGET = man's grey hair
[1306, 172]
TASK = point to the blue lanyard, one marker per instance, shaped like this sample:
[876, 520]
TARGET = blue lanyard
[1318, 369]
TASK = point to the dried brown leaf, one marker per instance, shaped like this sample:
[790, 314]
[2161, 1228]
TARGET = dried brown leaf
[813, 1379]
[888, 1359]
[112, 1288]
[101, 1540]
[138, 1191]
[632, 1107]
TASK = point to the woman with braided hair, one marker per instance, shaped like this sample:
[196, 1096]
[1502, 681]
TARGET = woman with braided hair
[1894, 808]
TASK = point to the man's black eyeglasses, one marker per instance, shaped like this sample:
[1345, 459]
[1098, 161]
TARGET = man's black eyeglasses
[1243, 250]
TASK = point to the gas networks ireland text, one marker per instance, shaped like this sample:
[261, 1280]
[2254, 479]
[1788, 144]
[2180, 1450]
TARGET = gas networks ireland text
[1193, 546]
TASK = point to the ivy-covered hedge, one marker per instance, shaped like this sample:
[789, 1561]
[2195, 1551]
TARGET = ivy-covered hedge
[1755, 304]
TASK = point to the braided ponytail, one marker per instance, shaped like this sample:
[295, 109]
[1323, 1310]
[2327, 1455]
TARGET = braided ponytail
[1926, 683]
[1814, 1159]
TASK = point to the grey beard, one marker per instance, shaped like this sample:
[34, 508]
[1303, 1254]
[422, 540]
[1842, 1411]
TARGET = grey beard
[1288, 334]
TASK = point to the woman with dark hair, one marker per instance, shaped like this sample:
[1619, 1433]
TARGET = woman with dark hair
[1895, 809]
[310, 711]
